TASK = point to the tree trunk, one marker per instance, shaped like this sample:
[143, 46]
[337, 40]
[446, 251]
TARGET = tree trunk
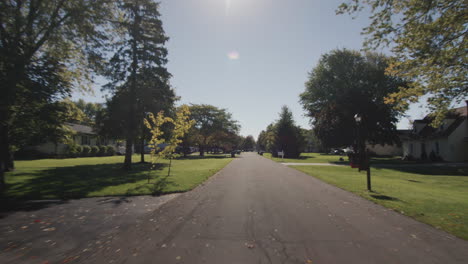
[128, 153]
[170, 164]
[202, 151]
[2, 180]
[132, 97]
[10, 161]
[7, 154]
[142, 154]
[4, 152]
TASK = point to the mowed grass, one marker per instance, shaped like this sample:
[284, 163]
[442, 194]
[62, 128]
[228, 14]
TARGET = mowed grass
[335, 159]
[311, 158]
[104, 176]
[434, 195]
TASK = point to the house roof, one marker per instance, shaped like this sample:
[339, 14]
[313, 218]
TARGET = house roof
[462, 111]
[457, 114]
[81, 129]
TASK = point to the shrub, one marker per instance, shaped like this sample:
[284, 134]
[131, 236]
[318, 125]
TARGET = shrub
[102, 151]
[86, 151]
[29, 153]
[79, 150]
[94, 151]
[73, 151]
[110, 151]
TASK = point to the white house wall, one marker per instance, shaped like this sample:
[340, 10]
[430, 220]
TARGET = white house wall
[386, 150]
[51, 148]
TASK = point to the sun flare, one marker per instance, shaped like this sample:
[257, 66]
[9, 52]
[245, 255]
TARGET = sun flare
[233, 55]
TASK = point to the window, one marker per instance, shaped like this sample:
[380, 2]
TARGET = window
[85, 140]
[437, 147]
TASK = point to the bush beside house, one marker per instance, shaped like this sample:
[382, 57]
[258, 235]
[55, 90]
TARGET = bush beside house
[83, 143]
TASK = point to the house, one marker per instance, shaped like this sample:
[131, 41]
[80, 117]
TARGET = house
[449, 142]
[390, 149]
[82, 135]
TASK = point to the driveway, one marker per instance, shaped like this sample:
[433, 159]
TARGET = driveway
[255, 211]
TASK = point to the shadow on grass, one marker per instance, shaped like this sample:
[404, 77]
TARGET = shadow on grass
[384, 197]
[198, 157]
[415, 181]
[305, 157]
[79, 181]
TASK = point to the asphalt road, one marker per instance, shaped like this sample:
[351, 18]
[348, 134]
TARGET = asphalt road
[259, 211]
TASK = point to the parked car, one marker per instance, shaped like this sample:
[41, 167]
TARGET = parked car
[120, 150]
[338, 152]
[147, 149]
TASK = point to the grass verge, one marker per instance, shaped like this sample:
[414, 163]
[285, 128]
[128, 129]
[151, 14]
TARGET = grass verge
[434, 195]
[335, 159]
[311, 158]
[103, 176]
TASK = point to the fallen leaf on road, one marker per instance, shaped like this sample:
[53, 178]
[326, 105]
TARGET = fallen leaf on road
[178, 257]
[49, 229]
[249, 245]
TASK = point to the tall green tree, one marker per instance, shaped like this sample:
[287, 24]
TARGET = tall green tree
[288, 136]
[46, 48]
[249, 143]
[429, 41]
[139, 61]
[212, 125]
[90, 110]
[261, 141]
[346, 83]
[267, 139]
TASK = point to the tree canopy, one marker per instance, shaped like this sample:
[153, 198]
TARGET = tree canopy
[346, 83]
[47, 48]
[213, 126]
[429, 41]
[136, 70]
[282, 135]
[248, 143]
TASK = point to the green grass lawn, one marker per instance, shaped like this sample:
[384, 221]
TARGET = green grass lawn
[433, 195]
[311, 158]
[103, 176]
[328, 158]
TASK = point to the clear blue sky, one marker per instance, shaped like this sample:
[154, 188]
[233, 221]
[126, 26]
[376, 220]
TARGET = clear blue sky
[252, 56]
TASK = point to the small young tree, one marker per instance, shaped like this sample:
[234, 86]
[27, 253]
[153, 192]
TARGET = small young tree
[154, 124]
[181, 125]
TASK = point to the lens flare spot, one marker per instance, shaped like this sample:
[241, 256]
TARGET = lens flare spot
[233, 55]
